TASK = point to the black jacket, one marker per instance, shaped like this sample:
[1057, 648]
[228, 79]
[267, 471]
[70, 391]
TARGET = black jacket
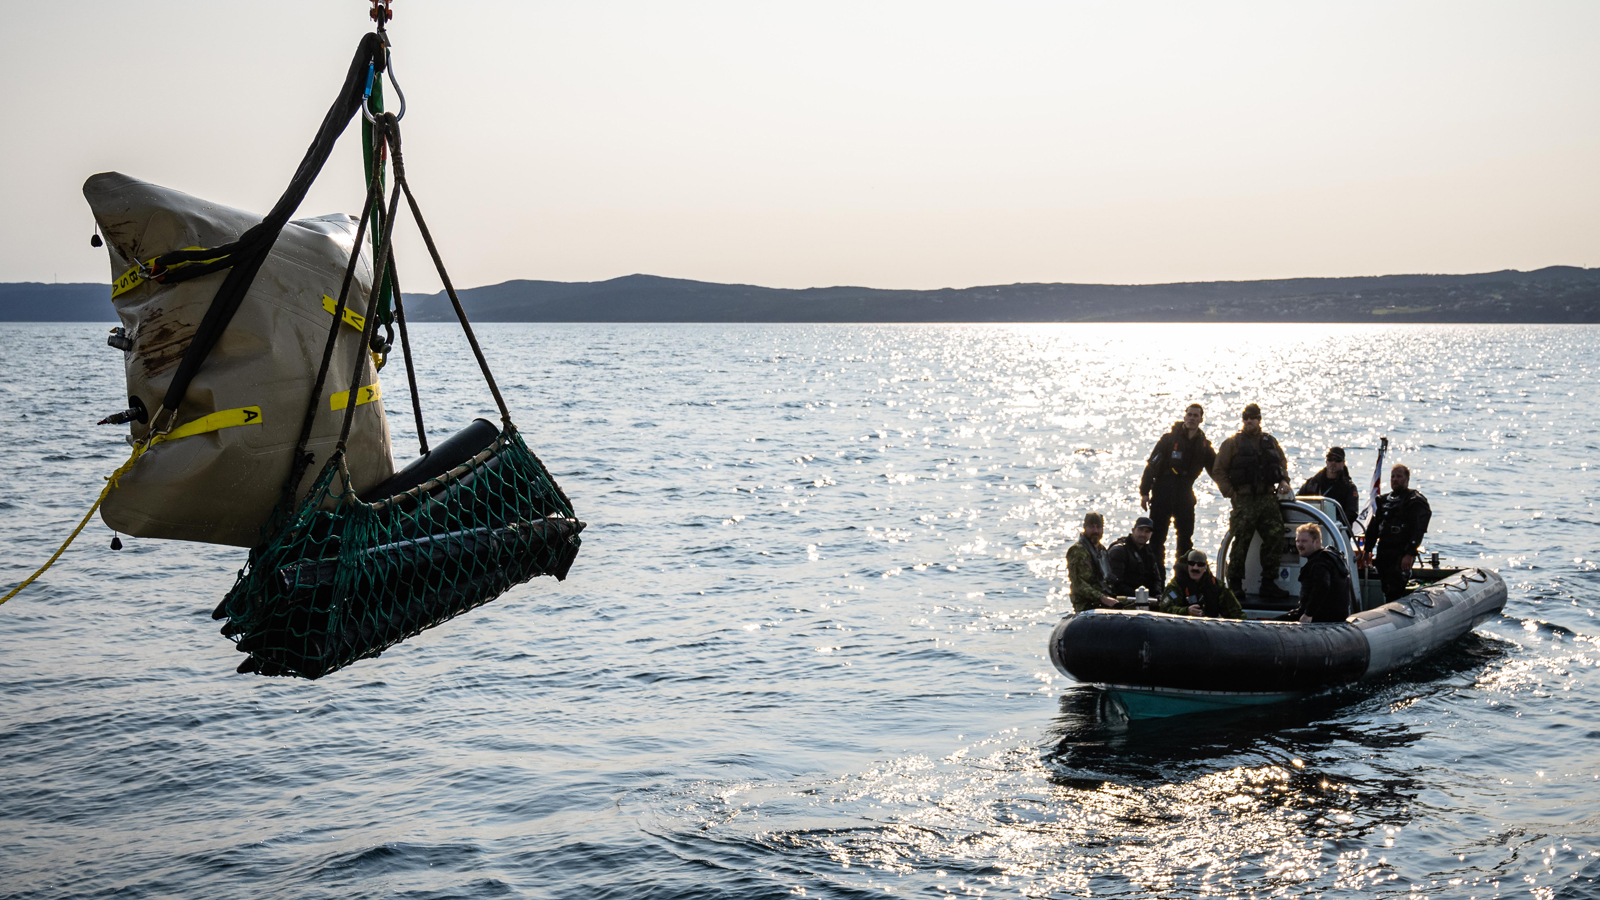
[1398, 523]
[1324, 588]
[1132, 566]
[1176, 462]
[1341, 489]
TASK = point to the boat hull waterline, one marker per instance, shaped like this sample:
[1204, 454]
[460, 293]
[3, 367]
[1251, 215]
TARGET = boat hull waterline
[1155, 664]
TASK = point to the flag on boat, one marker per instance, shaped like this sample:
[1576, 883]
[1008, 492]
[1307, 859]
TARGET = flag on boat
[1376, 486]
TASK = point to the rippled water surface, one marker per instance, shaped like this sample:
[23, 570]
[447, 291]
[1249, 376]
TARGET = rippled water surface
[802, 652]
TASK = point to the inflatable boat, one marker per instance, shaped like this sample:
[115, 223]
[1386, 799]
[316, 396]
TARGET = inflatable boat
[1154, 664]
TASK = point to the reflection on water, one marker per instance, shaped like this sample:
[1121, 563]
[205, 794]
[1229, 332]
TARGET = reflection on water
[803, 651]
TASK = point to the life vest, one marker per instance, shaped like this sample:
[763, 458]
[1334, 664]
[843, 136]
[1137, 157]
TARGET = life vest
[1401, 520]
[1178, 460]
[1205, 594]
[1097, 555]
[1139, 567]
[1252, 464]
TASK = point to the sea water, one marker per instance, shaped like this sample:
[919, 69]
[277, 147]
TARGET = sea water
[802, 652]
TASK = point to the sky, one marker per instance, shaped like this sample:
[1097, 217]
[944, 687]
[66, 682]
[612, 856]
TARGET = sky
[890, 144]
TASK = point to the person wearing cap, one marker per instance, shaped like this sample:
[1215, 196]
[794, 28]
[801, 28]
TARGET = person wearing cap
[1194, 591]
[1333, 481]
[1167, 487]
[1251, 471]
[1399, 521]
[1087, 570]
[1133, 563]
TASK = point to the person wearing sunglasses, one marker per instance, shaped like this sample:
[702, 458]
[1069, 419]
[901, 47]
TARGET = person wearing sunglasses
[1333, 481]
[1251, 471]
[1194, 591]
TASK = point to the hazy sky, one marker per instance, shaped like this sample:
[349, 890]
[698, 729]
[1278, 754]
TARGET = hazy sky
[892, 144]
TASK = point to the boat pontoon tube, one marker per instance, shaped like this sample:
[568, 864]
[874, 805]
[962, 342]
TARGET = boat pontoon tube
[1185, 653]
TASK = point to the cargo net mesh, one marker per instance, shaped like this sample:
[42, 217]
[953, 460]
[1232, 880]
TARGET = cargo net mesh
[344, 579]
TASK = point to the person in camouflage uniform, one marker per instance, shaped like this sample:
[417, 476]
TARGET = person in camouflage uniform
[1193, 591]
[1251, 470]
[1087, 569]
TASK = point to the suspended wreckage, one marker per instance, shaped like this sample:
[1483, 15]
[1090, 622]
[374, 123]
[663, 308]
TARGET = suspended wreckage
[260, 337]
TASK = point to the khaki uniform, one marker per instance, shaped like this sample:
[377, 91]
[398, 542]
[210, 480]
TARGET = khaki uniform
[1247, 471]
[1086, 575]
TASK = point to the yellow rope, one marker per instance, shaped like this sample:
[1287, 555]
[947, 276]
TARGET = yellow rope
[111, 482]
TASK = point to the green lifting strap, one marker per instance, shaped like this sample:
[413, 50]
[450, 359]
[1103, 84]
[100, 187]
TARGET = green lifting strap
[369, 159]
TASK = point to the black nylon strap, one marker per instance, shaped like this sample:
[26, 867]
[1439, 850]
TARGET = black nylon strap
[245, 256]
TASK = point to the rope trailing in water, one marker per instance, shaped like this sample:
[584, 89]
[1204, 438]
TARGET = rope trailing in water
[111, 482]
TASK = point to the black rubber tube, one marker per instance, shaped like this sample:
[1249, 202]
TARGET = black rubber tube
[1143, 649]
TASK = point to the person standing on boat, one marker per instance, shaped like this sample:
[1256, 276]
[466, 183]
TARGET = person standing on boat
[1251, 470]
[1133, 562]
[1167, 488]
[1194, 591]
[1088, 569]
[1398, 523]
[1324, 579]
[1333, 481]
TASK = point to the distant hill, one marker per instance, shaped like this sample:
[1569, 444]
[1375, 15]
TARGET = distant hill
[1555, 294]
[1559, 294]
[30, 301]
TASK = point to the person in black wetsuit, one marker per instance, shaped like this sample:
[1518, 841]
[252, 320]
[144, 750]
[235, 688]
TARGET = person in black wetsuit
[1133, 562]
[1167, 488]
[1324, 579]
[1398, 523]
[1333, 481]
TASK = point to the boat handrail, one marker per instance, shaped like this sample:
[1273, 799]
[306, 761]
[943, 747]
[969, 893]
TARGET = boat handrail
[1342, 542]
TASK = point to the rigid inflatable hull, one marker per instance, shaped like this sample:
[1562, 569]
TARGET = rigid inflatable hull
[1158, 664]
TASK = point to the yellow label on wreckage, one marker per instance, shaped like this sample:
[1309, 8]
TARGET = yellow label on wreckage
[368, 394]
[228, 418]
[135, 275]
[129, 280]
[358, 322]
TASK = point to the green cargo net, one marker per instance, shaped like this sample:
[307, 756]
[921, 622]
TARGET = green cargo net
[347, 578]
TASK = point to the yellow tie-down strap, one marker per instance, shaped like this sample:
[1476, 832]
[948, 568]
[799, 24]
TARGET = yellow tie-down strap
[369, 393]
[135, 275]
[351, 318]
[359, 323]
[228, 418]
